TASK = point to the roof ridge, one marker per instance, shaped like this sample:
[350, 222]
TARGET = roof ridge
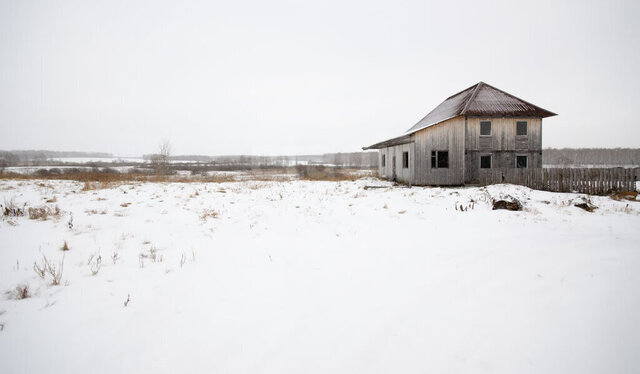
[466, 89]
[472, 97]
[517, 98]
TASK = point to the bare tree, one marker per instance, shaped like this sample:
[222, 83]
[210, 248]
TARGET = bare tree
[164, 151]
[160, 160]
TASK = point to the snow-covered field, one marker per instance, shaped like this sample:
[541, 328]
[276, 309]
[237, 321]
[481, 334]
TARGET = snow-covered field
[318, 277]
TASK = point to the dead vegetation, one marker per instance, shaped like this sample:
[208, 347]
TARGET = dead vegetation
[21, 292]
[11, 209]
[44, 212]
[46, 267]
[95, 180]
[208, 213]
[627, 196]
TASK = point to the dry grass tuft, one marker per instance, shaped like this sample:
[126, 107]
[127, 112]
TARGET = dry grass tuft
[65, 246]
[628, 196]
[44, 212]
[48, 268]
[11, 209]
[20, 292]
[208, 213]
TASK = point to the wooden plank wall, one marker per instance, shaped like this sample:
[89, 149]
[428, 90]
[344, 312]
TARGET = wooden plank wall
[404, 175]
[503, 135]
[445, 136]
[594, 181]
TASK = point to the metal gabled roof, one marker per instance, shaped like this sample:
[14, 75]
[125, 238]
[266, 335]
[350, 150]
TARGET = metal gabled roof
[480, 100]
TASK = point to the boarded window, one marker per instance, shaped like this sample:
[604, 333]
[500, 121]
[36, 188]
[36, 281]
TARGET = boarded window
[521, 128]
[384, 160]
[485, 162]
[485, 128]
[521, 162]
[405, 160]
[439, 159]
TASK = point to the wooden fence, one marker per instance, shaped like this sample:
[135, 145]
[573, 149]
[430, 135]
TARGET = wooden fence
[594, 181]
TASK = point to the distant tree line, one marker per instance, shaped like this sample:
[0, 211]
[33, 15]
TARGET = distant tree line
[591, 156]
[14, 157]
[352, 159]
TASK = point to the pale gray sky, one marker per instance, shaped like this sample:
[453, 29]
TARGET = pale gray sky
[300, 77]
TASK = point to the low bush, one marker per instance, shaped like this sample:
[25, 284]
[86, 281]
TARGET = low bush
[21, 292]
[44, 212]
[11, 209]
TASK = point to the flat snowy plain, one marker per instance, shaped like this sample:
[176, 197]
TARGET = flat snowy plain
[318, 277]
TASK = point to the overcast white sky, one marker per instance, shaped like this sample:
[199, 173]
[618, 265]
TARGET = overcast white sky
[301, 77]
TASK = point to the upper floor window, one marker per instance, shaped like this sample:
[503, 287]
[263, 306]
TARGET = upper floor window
[439, 159]
[405, 160]
[485, 128]
[521, 128]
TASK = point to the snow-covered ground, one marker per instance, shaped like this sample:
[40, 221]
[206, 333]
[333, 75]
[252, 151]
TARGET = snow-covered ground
[318, 277]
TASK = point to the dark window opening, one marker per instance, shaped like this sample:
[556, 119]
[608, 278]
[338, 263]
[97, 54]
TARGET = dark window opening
[521, 128]
[443, 159]
[521, 162]
[485, 162]
[439, 159]
[405, 160]
[384, 161]
[485, 128]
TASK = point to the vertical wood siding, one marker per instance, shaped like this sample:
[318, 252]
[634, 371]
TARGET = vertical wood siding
[503, 134]
[503, 145]
[445, 136]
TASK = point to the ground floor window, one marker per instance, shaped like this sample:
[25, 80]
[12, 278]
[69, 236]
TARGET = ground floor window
[439, 159]
[521, 162]
[384, 160]
[485, 162]
[405, 160]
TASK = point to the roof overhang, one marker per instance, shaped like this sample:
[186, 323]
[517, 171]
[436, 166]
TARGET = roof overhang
[404, 139]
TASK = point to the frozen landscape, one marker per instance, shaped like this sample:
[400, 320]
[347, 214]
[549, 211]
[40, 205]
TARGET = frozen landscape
[315, 277]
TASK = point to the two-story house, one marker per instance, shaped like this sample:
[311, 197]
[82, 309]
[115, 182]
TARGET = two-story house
[480, 127]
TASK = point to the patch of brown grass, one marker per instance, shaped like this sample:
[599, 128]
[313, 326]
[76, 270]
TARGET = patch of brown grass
[208, 213]
[628, 196]
[44, 212]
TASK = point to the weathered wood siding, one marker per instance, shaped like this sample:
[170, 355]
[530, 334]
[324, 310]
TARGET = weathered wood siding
[503, 145]
[503, 134]
[402, 174]
[446, 136]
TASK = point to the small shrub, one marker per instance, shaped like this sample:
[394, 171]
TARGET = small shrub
[48, 268]
[208, 213]
[44, 212]
[21, 292]
[11, 209]
[65, 246]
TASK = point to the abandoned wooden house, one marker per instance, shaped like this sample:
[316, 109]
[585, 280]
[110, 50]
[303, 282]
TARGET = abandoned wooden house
[480, 127]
